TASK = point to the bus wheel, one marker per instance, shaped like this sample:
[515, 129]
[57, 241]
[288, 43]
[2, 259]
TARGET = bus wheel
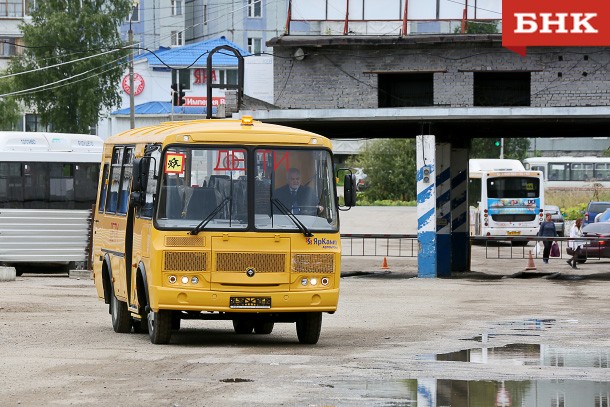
[263, 327]
[243, 326]
[159, 326]
[121, 319]
[309, 326]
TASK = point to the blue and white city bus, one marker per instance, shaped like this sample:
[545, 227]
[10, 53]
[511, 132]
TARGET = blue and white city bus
[504, 198]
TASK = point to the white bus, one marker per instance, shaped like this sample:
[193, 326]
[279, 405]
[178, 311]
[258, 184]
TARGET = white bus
[572, 172]
[504, 198]
[48, 184]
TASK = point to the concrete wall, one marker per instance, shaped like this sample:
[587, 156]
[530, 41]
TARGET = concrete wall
[345, 76]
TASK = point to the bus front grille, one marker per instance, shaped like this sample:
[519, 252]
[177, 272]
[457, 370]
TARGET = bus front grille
[184, 261]
[513, 217]
[185, 241]
[313, 263]
[239, 262]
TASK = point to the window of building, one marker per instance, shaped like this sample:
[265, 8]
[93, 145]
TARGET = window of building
[177, 38]
[255, 8]
[502, 88]
[176, 7]
[8, 47]
[182, 77]
[255, 45]
[228, 76]
[11, 8]
[30, 6]
[405, 89]
[33, 122]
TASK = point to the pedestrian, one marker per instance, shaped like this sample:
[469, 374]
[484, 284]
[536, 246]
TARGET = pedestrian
[575, 245]
[547, 229]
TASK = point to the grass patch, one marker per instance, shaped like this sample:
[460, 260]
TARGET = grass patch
[573, 202]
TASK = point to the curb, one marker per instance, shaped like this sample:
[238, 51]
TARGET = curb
[85, 274]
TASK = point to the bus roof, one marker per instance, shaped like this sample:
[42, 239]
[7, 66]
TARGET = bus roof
[566, 159]
[52, 147]
[219, 131]
[494, 164]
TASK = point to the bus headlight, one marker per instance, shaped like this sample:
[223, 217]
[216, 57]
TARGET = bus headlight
[185, 280]
[172, 279]
[195, 280]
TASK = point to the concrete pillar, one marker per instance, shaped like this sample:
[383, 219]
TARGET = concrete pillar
[426, 206]
[443, 210]
[460, 239]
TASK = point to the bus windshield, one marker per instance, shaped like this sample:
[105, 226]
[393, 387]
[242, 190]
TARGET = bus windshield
[218, 188]
[513, 187]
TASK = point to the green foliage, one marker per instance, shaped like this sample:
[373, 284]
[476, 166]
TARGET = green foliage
[10, 112]
[66, 30]
[574, 212]
[481, 27]
[390, 168]
[515, 148]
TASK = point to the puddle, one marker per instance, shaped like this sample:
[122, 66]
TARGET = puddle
[533, 324]
[480, 393]
[486, 337]
[528, 354]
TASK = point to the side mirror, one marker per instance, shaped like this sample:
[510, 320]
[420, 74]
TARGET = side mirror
[349, 190]
[139, 180]
[140, 174]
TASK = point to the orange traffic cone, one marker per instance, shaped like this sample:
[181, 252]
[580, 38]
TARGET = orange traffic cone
[384, 265]
[530, 263]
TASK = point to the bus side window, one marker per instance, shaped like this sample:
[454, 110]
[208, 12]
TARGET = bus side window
[151, 187]
[115, 180]
[127, 169]
[103, 189]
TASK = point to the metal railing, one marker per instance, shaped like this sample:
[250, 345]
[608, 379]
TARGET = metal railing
[391, 245]
[496, 247]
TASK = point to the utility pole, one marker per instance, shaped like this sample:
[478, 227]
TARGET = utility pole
[132, 108]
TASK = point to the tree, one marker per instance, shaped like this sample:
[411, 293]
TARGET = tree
[515, 148]
[390, 168]
[9, 108]
[62, 31]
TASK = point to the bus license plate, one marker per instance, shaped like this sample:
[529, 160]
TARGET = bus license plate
[513, 233]
[250, 302]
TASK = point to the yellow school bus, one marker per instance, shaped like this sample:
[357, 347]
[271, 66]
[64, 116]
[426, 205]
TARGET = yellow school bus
[218, 219]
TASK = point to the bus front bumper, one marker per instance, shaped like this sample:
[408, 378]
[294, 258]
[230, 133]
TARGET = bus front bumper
[243, 301]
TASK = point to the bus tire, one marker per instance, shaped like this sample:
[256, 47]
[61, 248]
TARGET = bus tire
[263, 327]
[159, 326]
[243, 326]
[309, 326]
[121, 318]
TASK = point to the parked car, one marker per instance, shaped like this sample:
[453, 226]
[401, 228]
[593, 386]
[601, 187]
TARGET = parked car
[593, 209]
[556, 217]
[603, 217]
[595, 249]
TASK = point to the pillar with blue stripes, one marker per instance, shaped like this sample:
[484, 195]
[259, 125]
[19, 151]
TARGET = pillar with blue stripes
[426, 206]
[460, 240]
[443, 210]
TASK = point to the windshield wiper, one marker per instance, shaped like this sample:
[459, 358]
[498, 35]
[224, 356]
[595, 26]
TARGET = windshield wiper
[208, 218]
[293, 218]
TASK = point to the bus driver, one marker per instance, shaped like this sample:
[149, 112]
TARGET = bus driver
[297, 198]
